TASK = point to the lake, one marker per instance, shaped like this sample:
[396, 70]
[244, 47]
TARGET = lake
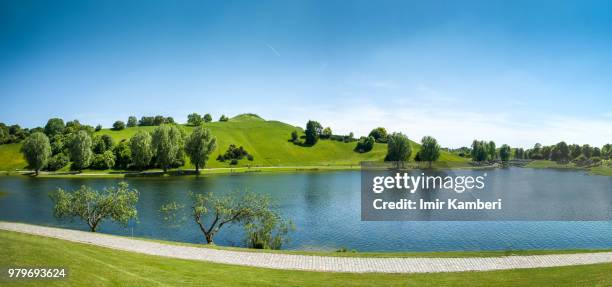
[325, 207]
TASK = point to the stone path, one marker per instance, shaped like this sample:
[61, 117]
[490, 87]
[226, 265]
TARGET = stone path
[311, 263]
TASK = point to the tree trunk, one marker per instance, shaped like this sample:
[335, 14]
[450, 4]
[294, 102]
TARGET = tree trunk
[209, 238]
[36, 171]
[197, 168]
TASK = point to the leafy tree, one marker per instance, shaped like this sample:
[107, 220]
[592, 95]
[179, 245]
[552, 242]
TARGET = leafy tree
[326, 133]
[167, 144]
[379, 134]
[294, 136]
[169, 120]
[57, 162]
[596, 152]
[575, 151]
[118, 125]
[207, 118]
[560, 152]
[313, 132]
[73, 127]
[491, 151]
[223, 118]
[58, 144]
[123, 155]
[80, 150]
[141, 149]
[5, 135]
[194, 119]
[234, 208]
[98, 128]
[54, 126]
[93, 207]
[365, 144]
[102, 143]
[430, 150]
[233, 154]
[504, 153]
[606, 151]
[479, 150]
[398, 148]
[132, 122]
[199, 145]
[146, 121]
[103, 161]
[37, 150]
[518, 153]
[267, 230]
[587, 151]
[158, 120]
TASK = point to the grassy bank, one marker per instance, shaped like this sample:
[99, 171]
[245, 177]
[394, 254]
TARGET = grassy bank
[598, 170]
[267, 141]
[97, 266]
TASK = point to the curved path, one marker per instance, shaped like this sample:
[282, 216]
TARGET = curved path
[311, 263]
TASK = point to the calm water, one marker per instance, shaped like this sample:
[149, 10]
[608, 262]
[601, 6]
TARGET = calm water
[325, 208]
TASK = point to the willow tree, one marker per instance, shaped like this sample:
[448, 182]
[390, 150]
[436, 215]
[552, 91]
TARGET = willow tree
[93, 207]
[37, 150]
[199, 145]
[80, 150]
[167, 145]
[141, 149]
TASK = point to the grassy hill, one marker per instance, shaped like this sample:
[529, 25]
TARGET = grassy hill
[267, 141]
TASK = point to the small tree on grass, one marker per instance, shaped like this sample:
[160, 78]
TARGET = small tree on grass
[207, 118]
[430, 150]
[194, 119]
[93, 207]
[365, 144]
[398, 148]
[132, 122]
[199, 145]
[118, 125]
[211, 212]
[313, 132]
[294, 136]
[37, 150]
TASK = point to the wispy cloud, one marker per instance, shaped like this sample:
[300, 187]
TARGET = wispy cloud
[273, 50]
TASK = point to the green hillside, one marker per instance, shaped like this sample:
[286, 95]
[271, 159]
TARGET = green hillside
[267, 141]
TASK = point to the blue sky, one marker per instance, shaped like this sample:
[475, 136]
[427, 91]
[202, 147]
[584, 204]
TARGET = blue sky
[517, 72]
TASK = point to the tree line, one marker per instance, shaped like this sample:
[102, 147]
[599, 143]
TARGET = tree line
[165, 147]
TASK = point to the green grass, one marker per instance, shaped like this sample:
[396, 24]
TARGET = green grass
[605, 169]
[98, 266]
[267, 141]
[11, 158]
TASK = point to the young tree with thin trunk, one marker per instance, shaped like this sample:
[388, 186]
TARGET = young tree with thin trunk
[93, 207]
[430, 150]
[199, 145]
[37, 150]
[399, 149]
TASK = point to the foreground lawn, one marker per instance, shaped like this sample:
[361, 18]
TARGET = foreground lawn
[97, 266]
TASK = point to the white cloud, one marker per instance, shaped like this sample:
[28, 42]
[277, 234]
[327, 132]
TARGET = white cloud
[455, 128]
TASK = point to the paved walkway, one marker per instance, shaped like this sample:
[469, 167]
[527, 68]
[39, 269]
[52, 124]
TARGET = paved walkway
[312, 263]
